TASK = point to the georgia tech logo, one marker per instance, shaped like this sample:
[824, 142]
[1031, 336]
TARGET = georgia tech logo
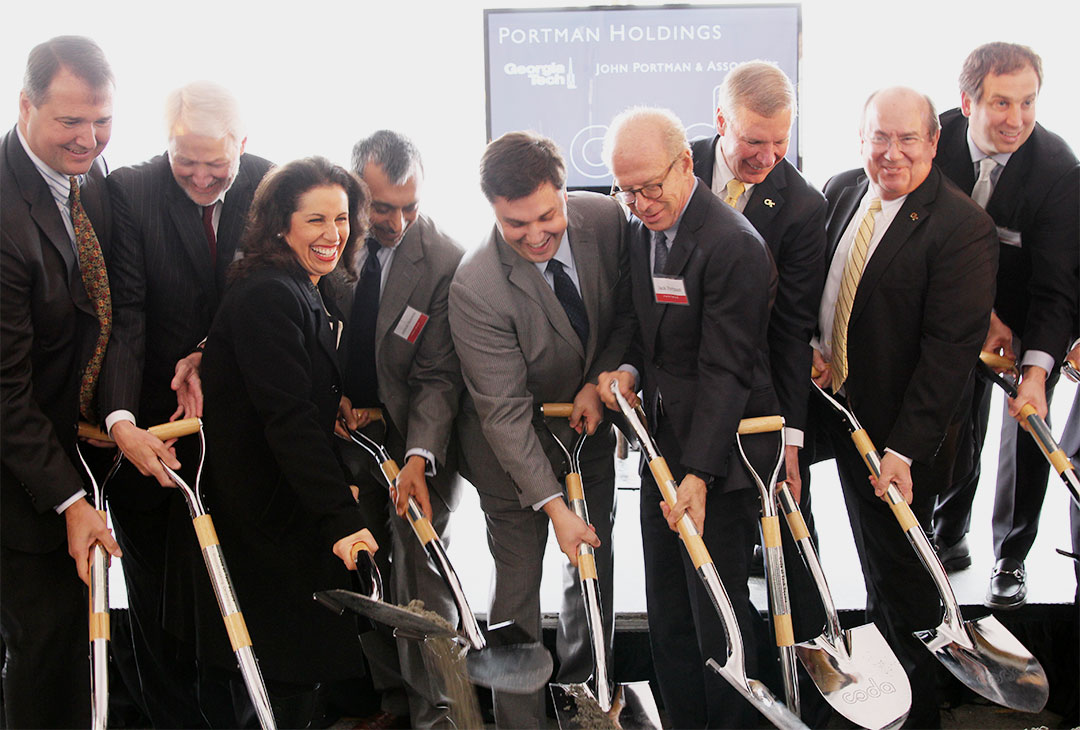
[544, 74]
[875, 690]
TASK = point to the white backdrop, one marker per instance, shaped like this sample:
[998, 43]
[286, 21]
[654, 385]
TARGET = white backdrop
[315, 76]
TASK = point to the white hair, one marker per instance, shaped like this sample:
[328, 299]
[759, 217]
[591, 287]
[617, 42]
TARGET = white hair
[206, 109]
[673, 133]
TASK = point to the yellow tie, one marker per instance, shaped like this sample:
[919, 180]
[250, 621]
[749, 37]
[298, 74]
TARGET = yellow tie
[853, 270]
[735, 188]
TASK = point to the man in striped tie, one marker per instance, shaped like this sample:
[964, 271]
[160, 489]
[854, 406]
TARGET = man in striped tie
[905, 308]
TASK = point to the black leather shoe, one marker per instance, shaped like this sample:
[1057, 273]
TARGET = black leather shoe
[1007, 588]
[956, 556]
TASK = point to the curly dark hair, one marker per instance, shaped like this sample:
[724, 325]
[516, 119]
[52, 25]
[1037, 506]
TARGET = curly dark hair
[277, 198]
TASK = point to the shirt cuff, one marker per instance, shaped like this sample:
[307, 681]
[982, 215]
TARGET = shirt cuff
[427, 456]
[794, 437]
[115, 417]
[70, 501]
[899, 456]
[1038, 358]
[540, 505]
[625, 367]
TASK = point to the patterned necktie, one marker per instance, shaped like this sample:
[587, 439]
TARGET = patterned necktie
[660, 252]
[735, 188]
[96, 282]
[983, 186]
[208, 227]
[361, 380]
[571, 302]
[853, 270]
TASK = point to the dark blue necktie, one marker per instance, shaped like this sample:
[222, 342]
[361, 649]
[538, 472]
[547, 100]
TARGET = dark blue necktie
[361, 382]
[660, 252]
[568, 297]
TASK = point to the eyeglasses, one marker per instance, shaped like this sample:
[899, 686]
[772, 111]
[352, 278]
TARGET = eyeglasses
[883, 142]
[652, 191]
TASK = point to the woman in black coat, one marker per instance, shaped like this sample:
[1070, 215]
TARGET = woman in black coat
[277, 492]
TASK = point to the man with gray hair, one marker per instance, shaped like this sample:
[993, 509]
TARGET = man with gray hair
[905, 308]
[178, 221]
[398, 356]
[702, 280]
[54, 225]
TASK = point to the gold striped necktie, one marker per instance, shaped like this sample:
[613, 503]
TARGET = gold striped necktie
[735, 188]
[96, 281]
[853, 270]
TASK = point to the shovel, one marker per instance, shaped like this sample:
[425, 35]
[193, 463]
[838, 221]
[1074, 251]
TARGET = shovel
[626, 704]
[1036, 425]
[516, 664]
[733, 670]
[855, 670]
[99, 602]
[982, 653]
[215, 565]
[775, 574]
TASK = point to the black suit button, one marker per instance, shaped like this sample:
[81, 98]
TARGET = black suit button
[659, 362]
[335, 389]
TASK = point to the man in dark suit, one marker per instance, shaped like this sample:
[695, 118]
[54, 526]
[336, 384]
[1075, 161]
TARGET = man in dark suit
[54, 223]
[905, 308]
[178, 222]
[537, 313]
[701, 279]
[746, 157]
[1031, 189]
[398, 355]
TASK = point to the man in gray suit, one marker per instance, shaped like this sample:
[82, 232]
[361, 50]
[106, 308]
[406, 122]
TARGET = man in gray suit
[537, 312]
[398, 355]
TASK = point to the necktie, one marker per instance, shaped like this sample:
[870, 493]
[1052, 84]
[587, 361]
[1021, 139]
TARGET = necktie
[853, 270]
[568, 297]
[362, 385]
[96, 282]
[735, 188]
[208, 227]
[660, 252]
[983, 186]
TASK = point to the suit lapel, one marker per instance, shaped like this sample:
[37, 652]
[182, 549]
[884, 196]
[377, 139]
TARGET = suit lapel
[186, 216]
[35, 191]
[587, 262]
[641, 281]
[844, 210]
[767, 199]
[401, 281]
[525, 276]
[914, 213]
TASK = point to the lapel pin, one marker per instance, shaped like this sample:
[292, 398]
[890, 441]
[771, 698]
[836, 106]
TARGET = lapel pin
[769, 202]
[914, 216]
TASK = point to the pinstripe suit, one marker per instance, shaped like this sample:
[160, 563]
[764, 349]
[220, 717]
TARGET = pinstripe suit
[420, 389]
[165, 293]
[518, 348]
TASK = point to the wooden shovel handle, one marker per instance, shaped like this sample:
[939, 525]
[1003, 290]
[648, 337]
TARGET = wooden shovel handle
[556, 410]
[164, 431]
[761, 424]
[995, 360]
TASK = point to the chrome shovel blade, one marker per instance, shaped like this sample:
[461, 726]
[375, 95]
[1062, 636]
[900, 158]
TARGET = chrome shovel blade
[515, 668]
[986, 657]
[859, 677]
[760, 697]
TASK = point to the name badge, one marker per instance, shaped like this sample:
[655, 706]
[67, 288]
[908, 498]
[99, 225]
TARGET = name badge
[410, 325]
[1009, 237]
[670, 290]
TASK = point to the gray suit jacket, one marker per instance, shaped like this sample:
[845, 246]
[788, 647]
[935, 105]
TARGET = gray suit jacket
[419, 382]
[517, 346]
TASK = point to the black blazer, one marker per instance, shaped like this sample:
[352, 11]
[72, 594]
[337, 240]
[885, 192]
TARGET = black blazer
[165, 291]
[789, 213]
[920, 312]
[47, 335]
[708, 360]
[1037, 197]
[275, 489]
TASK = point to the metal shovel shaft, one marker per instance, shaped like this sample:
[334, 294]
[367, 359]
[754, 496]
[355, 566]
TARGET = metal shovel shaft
[99, 635]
